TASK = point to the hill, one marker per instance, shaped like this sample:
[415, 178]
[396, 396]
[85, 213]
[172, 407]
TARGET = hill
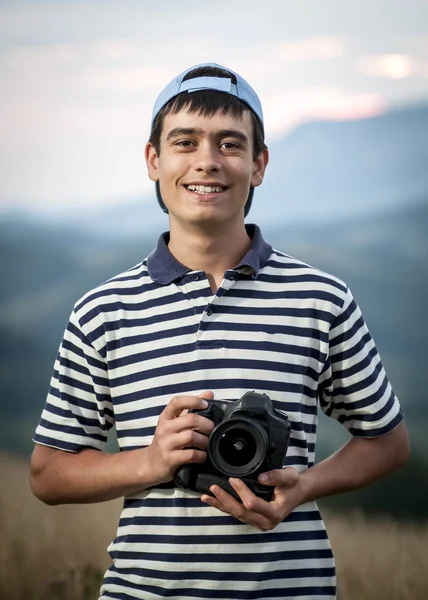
[321, 171]
[383, 258]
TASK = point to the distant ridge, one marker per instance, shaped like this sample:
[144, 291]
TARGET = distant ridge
[322, 170]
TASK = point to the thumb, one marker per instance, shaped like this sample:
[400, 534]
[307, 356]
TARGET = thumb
[286, 477]
[208, 395]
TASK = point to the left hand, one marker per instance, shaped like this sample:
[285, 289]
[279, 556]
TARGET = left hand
[262, 515]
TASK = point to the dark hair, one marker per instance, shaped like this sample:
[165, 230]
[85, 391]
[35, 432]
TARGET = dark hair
[207, 103]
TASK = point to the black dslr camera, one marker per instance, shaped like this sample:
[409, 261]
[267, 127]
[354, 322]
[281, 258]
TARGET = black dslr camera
[249, 438]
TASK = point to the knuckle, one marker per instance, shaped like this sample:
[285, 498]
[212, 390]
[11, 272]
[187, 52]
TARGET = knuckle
[193, 420]
[250, 504]
[190, 437]
[194, 455]
[162, 430]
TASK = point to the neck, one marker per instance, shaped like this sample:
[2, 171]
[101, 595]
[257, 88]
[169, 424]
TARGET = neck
[213, 253]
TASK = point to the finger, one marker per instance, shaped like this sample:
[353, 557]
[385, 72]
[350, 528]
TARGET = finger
[193, 422]
[179, 403]
[250, 501]
[254, 510]
[188, 455]
[224, 501]
[207, 395]
[190, 439]
[229, 505]
[286, 477]
[204, 395]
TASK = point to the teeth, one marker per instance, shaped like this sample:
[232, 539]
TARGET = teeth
[204, 189]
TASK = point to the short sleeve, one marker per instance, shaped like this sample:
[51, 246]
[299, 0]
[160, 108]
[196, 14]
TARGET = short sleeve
[353, 387]
[78, 411]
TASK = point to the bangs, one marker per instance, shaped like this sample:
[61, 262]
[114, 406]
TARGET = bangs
[207, 103]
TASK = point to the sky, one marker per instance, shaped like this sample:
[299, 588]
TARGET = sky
[78, 79]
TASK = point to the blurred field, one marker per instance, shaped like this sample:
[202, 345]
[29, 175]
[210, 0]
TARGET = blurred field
[59, 553]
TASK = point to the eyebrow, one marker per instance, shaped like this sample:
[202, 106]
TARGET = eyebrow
[177, 131]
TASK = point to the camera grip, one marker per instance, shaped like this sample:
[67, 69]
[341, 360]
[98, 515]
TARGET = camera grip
[205, 480]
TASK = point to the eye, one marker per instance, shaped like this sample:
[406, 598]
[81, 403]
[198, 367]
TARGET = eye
[183, 143]
[230, 145]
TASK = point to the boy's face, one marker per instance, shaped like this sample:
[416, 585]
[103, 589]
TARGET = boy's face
[205, 167]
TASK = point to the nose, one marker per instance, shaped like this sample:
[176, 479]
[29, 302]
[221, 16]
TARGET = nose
[207, 158]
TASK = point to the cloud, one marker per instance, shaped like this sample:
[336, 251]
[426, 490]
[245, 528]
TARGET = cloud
[318, 48]
[78, 108]
[392, 66]
[55, 56]
[285, 110]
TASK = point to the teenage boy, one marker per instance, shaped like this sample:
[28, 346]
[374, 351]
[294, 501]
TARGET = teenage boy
[213, 312]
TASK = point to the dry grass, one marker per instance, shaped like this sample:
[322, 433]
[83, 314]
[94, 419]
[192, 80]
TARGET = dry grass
[59, 553]
[379, 559]
[50, 552]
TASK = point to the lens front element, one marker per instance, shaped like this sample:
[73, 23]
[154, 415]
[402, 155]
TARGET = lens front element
[238, 447]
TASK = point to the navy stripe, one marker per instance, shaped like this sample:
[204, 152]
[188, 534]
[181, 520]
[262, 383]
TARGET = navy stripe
[70, 365]
[225, 557]
[172, 390]
[341, 357]
[74, 400]
[250, 294]
[129, 307]
[77, 431]
[106, 291]
[272, 311]
[349, 390]
[259, 346]
[64, 445]
[73, 349]
[306, 332]
[84, 421]
[370, 433]
[213, 363]
[288, 536]
[228, 575]
[357, 367]
[290, 592]
[172, 521]
[177, 332]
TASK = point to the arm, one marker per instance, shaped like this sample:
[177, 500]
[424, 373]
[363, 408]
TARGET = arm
[358, 463]
[59, 477]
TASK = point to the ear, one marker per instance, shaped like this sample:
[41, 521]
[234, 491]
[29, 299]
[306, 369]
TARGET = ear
[151, 162]
[259, 168]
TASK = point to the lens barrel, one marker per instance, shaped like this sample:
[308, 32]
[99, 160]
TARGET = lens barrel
[238, 447]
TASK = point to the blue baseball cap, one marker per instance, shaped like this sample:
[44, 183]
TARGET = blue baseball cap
[241, 89]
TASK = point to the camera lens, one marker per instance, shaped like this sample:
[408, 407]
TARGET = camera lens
[238, 447]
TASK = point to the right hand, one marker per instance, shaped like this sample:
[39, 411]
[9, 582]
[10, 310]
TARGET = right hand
[180, 437]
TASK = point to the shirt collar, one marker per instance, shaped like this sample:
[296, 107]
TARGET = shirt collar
[164, 268]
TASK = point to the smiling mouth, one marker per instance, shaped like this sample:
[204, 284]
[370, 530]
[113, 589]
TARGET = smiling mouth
[206, 189]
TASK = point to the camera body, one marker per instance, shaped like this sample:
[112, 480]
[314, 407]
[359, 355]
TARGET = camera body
[249, 438]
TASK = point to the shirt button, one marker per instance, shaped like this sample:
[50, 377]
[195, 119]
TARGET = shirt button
[231, 276]
[209, 310]
[194, 277]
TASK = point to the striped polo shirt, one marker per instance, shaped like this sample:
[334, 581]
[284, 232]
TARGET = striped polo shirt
[276, 326]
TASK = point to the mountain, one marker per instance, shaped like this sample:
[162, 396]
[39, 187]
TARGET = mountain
[383, 258]
[321, 171]
[326, 170]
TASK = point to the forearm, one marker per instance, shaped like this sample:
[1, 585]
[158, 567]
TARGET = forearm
[358, 463]
[59, 477]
